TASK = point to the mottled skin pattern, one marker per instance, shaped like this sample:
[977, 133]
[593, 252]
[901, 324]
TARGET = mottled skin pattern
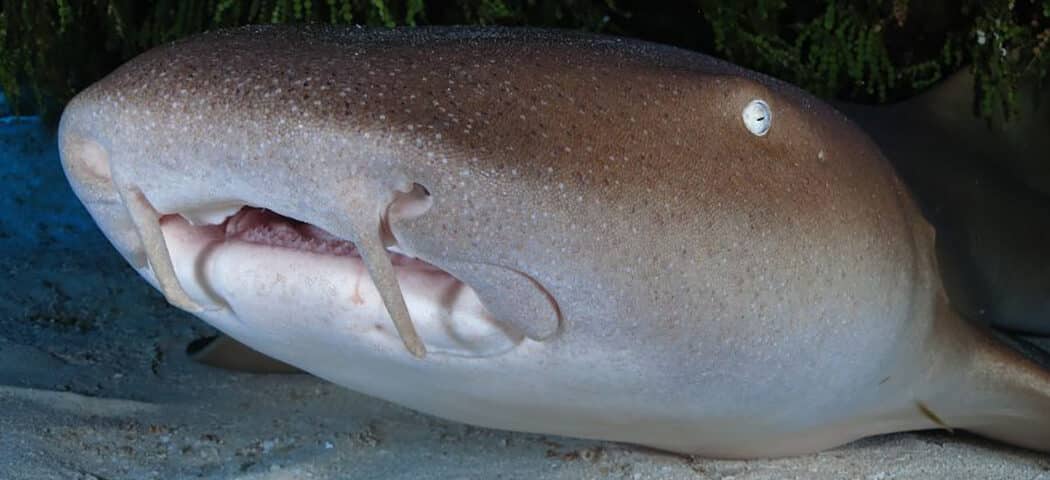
[714, 292]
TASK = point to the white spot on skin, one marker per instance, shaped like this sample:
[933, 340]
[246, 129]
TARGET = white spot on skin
[758, 117]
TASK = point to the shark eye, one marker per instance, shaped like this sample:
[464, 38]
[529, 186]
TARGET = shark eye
[758, 118]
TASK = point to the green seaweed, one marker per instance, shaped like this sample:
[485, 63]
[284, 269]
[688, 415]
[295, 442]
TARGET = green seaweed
[886, 50]
[53, 48]
[863, 50]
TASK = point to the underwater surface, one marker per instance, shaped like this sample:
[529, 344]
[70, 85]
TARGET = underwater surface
[95, 384]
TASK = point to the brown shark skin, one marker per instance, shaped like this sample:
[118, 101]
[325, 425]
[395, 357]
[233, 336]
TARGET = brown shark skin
[616, 175]
[794, 200]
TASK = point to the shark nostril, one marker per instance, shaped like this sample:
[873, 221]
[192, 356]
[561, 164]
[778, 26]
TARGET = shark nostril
[87, 161]
[410, 204]
[95, 159]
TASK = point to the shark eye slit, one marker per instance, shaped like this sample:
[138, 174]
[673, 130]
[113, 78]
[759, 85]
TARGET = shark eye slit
[421, 188]
[758, 117]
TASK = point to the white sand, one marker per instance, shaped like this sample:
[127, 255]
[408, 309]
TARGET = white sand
[95, 384]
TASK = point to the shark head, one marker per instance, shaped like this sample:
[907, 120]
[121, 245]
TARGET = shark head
[532, 230]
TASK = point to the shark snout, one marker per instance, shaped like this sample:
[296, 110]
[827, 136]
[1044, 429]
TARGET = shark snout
[214, 257]
[86, 162]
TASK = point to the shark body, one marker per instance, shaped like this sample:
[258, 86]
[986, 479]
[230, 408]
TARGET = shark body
[542, 231]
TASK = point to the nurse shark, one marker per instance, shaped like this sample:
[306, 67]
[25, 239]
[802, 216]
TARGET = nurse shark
[542, 231]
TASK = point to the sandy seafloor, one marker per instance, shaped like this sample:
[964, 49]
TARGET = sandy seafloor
[95, 384]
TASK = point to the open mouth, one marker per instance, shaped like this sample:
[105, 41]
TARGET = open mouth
[264, 227]
[235, 261]
[222, 261]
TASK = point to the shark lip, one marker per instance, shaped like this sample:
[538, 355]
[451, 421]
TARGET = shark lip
[236, 262]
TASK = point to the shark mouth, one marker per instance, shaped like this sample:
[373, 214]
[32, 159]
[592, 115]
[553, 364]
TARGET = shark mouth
[264, 227]
[234, 261]
[221, 260]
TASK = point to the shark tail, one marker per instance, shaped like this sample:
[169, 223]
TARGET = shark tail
[994, 390]
[1010, 396]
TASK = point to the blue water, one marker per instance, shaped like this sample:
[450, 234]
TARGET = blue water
[59, 276]
[38, 210]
